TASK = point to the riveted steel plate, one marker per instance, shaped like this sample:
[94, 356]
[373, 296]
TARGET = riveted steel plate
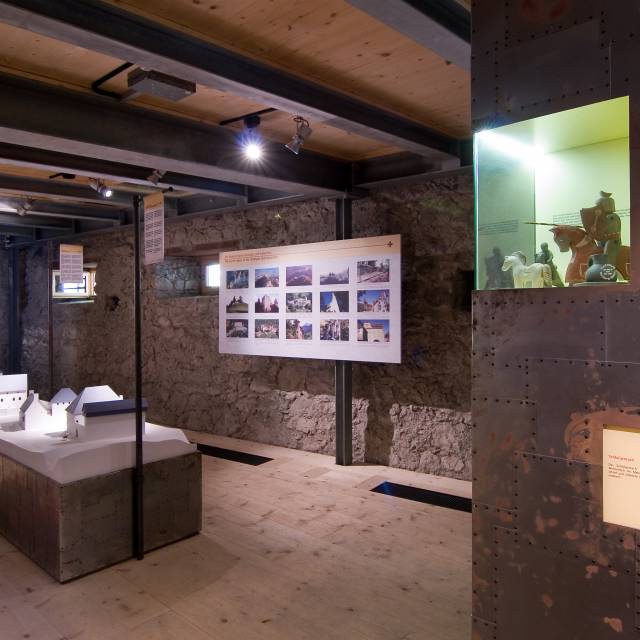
[501, 427]
[542, 595]
[571, 62]
[482, 629]
[529, 20]
[560, 511]
[575, 398]
[622, 327]
[485, 520]
[621, 23]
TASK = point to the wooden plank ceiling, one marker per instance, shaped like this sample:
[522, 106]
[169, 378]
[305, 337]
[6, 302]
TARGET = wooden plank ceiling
[331, 43]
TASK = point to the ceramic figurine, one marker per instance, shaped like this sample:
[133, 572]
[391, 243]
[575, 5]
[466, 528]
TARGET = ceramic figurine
[546, 257]
[533, 276]
[496, 277]
[602, 224]
[582, 247]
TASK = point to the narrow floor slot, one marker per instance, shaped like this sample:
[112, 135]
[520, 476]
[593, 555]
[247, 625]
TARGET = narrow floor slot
[424, 495]
[230, 454]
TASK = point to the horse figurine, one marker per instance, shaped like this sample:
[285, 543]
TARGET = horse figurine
[533, 276]
[582, 246]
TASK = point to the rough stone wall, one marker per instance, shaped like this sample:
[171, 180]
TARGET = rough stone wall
[4, 309]
[276, 400]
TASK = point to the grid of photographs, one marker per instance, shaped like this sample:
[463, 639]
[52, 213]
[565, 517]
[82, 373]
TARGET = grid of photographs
[346, 302]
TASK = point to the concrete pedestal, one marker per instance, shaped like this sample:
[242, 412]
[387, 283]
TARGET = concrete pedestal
[76, 528]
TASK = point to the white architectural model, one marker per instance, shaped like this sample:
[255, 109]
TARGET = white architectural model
[39, 415]
[13, 392]
[98, 413]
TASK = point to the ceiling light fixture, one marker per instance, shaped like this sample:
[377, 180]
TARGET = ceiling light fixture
[156, 176]
[25, 207]
[251, 140]
[303, 131]
[101, 188]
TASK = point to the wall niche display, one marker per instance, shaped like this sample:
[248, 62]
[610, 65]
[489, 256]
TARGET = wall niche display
[337, 300]
[553, 200]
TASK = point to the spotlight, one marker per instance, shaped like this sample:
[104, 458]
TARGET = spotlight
[251, 140]
[24, 208]
[303, 131]
[101, 188]
[253, 151]
[156, 176]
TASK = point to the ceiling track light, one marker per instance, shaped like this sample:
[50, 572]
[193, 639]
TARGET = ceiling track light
[303, 131]
[156, 176]
[25, 207]
[100, 187]
[250, 138]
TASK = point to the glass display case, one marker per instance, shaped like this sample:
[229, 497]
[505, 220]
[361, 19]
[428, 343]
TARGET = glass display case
[552, 199]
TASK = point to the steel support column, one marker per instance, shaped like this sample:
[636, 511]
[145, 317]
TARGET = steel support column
[15, 333]
[138, 475]
[50, 312]
[344, 426]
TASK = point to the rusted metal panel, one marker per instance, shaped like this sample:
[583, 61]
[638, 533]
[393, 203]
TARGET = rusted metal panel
[622, 327]
[559, 509]
[526, 21]
[501, 427]
[545, 595]
[577, 398]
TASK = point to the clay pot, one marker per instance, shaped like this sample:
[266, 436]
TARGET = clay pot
[600, 269]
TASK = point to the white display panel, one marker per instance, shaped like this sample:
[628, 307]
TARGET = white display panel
[71, 264]
[153, 228]
[621, 476]
[338, 300]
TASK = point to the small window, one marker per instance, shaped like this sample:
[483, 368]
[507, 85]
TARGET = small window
[72, 290]
[212, 276]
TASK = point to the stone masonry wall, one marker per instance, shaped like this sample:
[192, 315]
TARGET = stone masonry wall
[413, 415]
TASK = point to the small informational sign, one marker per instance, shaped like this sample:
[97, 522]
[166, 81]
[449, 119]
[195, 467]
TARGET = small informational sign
[71, 264]
[337, 300]
[621, 476]
[153, 228]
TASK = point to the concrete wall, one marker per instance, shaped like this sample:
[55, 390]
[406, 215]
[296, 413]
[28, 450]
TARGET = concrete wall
[413, 415]
[4, 309]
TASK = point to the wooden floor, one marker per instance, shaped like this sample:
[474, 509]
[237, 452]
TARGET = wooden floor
[296, 548]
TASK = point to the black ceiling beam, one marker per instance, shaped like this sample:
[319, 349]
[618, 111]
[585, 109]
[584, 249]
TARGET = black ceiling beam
[42, 116]
[23, 232]
[397, 168]
[444, 26]
[31, 222]
[94, 167]
[102, 27]
[61, 191]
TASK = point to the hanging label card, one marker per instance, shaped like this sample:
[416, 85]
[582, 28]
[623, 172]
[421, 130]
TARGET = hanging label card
[621, 476]
[71, 264]
[153, 228]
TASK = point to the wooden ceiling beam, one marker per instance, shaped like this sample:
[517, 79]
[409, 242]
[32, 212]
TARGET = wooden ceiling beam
[98, 26]
[444, 26]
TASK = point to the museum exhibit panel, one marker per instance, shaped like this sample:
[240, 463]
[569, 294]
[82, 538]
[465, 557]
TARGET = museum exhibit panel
[542, 220]
[555, 391]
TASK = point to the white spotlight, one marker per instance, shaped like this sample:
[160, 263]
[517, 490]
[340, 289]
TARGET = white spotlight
[101, 188]
[253, 151]
[303, 131]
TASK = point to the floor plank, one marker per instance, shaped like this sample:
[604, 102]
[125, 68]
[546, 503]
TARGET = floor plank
[296, 548]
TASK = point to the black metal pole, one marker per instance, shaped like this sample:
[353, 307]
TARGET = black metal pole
[50, 313]
[15, 338]
[344, 427]
[138, 475]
